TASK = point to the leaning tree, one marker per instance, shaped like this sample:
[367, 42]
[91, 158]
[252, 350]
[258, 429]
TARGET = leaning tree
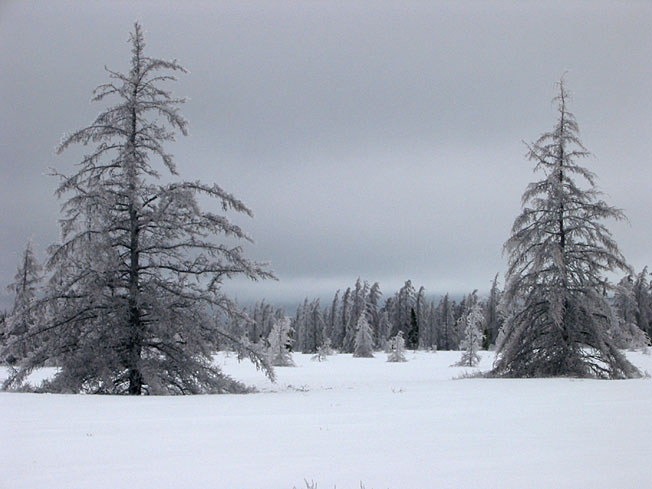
[134, 302]
[555, 299]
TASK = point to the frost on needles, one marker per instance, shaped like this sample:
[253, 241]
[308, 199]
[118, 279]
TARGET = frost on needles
[280, 343]
[134, 301]
[472, 340]
[555, 299]
[364, 343]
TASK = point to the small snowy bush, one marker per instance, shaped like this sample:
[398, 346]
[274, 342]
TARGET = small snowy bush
[396, 347]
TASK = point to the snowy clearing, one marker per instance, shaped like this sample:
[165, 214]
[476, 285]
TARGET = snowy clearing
[340, 422]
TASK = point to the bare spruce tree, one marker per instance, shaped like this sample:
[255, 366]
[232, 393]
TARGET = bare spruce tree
[135, 301]
[555, 294]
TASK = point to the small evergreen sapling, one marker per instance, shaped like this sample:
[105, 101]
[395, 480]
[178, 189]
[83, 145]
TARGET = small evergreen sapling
[363, 339]
[396, 346]
[472, 341]
[326, 348]
[279, 344]
[323, 351]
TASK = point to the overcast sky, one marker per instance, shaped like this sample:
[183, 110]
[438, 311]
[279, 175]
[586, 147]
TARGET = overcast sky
[374, 139]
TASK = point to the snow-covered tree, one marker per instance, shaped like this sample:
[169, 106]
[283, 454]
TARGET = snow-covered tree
[558, 253]
[279, 344]
[331, 318]
[316, 327]
[309, 326]
[493, 320]
[624, 331]
[326, 348]
[421, 310]
[472, 340]
[343, 322]
[384, 330]
[323, 351]
[401, 309]
[643, 302]
[373, 302]
[135, 296]
[358, 308]
[3, 328]
[24, 314]
[446, 336]
[364, 342]
[412, 339]
[396, 348]
[432, 325]
[262, 318]
[462, 310]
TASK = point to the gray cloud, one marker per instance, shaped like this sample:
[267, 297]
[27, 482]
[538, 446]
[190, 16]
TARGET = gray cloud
[378, 139]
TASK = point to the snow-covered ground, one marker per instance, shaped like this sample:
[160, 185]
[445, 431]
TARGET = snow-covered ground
[338, 423]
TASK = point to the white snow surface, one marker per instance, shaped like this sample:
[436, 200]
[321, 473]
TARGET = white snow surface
[339, 423]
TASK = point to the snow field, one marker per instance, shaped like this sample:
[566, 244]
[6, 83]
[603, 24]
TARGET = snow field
[339, 422]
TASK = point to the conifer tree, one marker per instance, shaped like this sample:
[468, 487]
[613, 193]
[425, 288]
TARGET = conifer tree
[445, 337]
[412, 342]
[558, 315]
[280, 343]
[462, 311]
[493, 321]
[373, 301]
[316, 327]
[3, 328]
[432, 325]
[344, 322]
[358, 308]
[331, 327]
[624, 331]
[301, 326]
[472, 340]
[422, 310]
[643, 302]
[135, 298]
[401, 312]
[384, 330]
[364, 342]
[24, 314]
[309, 326]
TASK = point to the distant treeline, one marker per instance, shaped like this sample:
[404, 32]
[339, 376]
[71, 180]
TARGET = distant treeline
[425, 323]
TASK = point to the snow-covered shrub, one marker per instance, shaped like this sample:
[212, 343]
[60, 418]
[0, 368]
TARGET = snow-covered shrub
[396, 347]
[323, 351]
